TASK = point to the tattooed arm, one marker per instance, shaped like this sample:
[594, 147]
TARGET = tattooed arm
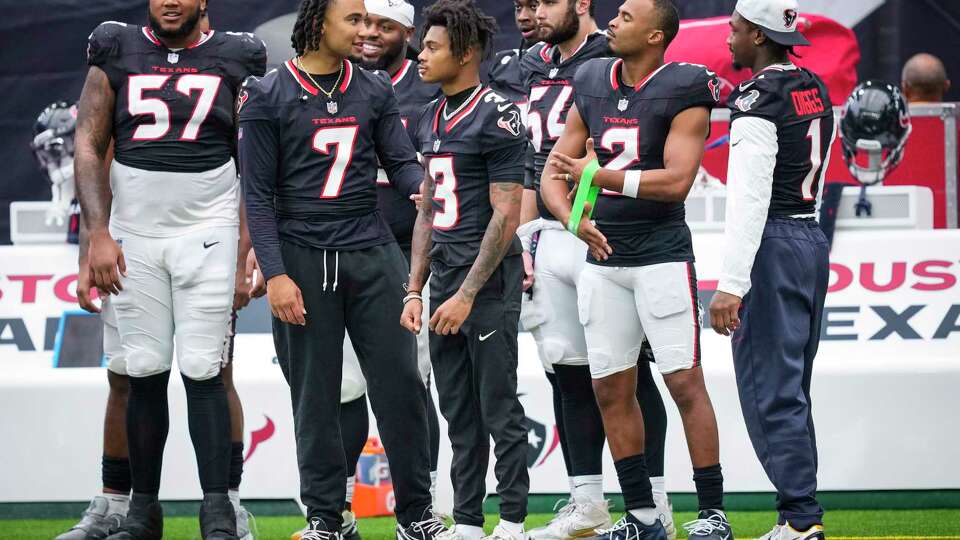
[419, 256]
[94, 133]
[505, 198]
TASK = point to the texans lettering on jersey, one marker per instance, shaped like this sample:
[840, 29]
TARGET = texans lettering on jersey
[629, 126]
[548, 82]
[798, 102]
[465, 150]
[174, 108]
[316, 158]
[413, 95]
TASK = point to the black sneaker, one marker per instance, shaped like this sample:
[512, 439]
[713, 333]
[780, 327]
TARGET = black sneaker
[426, 529]
[317, 530]
[631, 528]
[348, 528]
[144, 520]
[709, 525]
[218, 521]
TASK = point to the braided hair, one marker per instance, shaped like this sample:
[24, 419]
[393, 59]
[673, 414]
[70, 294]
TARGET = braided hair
[466, 25]
[307, 30]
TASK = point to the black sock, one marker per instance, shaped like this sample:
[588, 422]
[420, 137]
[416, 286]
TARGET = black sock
[236, 464]
[115, 473]
[654, 413]
[558, 414]
[148, 421]
[354, 430]
[635, 482]
[709, 482]
[209, 420]
[580, 411]
[433, 426]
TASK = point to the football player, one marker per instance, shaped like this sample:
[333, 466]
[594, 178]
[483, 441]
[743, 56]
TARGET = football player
[473, 147]
[571, 38]
[635, 116]
[312, 134]
[504, 75]
[776, 267]
[164, 241]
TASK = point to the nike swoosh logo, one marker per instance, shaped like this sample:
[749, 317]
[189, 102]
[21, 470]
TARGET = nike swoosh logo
[504, 107]
[209, 245]
[736, 143]
[484, 337]
[744, 86]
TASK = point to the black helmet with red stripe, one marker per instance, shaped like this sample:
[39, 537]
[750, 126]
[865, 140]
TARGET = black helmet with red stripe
[874, 130]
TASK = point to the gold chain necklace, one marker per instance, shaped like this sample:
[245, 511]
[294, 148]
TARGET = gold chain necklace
[315, 83]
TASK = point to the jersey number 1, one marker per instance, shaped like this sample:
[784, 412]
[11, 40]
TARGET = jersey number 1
[208, 85]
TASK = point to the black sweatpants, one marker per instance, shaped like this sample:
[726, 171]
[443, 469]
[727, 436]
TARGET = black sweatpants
[773, 352]
[361, 292]
[476, 377]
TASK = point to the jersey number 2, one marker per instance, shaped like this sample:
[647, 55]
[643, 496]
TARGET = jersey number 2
[208, 85]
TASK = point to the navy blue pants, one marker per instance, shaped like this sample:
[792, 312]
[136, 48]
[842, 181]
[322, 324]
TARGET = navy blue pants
[773, 355]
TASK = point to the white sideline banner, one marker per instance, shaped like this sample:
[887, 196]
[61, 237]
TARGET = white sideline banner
[885, 378]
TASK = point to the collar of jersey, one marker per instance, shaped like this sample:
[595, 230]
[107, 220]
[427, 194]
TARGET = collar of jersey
[309, 87]
[152, 38]
[788, 66]
[463, 111]
[547, 52]
[615, 83]
[404, 69]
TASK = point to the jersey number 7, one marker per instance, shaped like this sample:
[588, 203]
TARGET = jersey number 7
[208, 86]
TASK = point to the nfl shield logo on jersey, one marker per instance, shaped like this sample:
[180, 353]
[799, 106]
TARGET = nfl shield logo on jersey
[173, 58]
[332, 107]
[436, 145]
[553, 72]
[622, 106]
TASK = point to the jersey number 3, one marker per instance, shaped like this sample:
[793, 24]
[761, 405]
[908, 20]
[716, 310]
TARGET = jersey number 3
[445, 192]
[207, 85]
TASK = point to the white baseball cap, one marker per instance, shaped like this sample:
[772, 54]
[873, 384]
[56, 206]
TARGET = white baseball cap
[398, 10]
[777, 18]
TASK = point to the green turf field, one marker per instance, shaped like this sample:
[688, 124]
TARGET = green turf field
[904, 524]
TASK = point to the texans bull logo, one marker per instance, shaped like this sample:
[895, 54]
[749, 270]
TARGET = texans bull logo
[789, 16]
[511, 123]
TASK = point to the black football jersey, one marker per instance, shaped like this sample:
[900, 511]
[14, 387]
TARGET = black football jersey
[798, 102]
[413, 95]
[174, 108]
[464, 151]
[629, 126]
[317, 157]
[549, 86]
[505, 76]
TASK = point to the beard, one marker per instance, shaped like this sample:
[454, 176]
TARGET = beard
[567, 30]
[386, 59]
[189, 24]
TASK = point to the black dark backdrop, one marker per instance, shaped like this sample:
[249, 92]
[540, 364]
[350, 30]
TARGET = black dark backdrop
[43, 48]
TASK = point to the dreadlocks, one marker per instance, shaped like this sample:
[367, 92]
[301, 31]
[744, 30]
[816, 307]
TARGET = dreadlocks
[466, 25]
[306, 31]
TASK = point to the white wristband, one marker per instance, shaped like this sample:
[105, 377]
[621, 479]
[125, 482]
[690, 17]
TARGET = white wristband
[631, 183]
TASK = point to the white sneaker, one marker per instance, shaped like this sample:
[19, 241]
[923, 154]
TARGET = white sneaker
[541, 533]
[246, 525]
[581, 521]
[501, 533]
[665, 511]
[454, 533]
[786, 532]
[97, 522]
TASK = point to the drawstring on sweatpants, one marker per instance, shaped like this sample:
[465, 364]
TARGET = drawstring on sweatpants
[336, 270]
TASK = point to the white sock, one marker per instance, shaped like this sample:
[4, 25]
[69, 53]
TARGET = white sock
[659, 485]
[117, 503]
[351, 482]
[572, 486]
[433, 487]
[234, 495]
[515, 529]
[470, 532]
[647, 516]
[588, 488]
